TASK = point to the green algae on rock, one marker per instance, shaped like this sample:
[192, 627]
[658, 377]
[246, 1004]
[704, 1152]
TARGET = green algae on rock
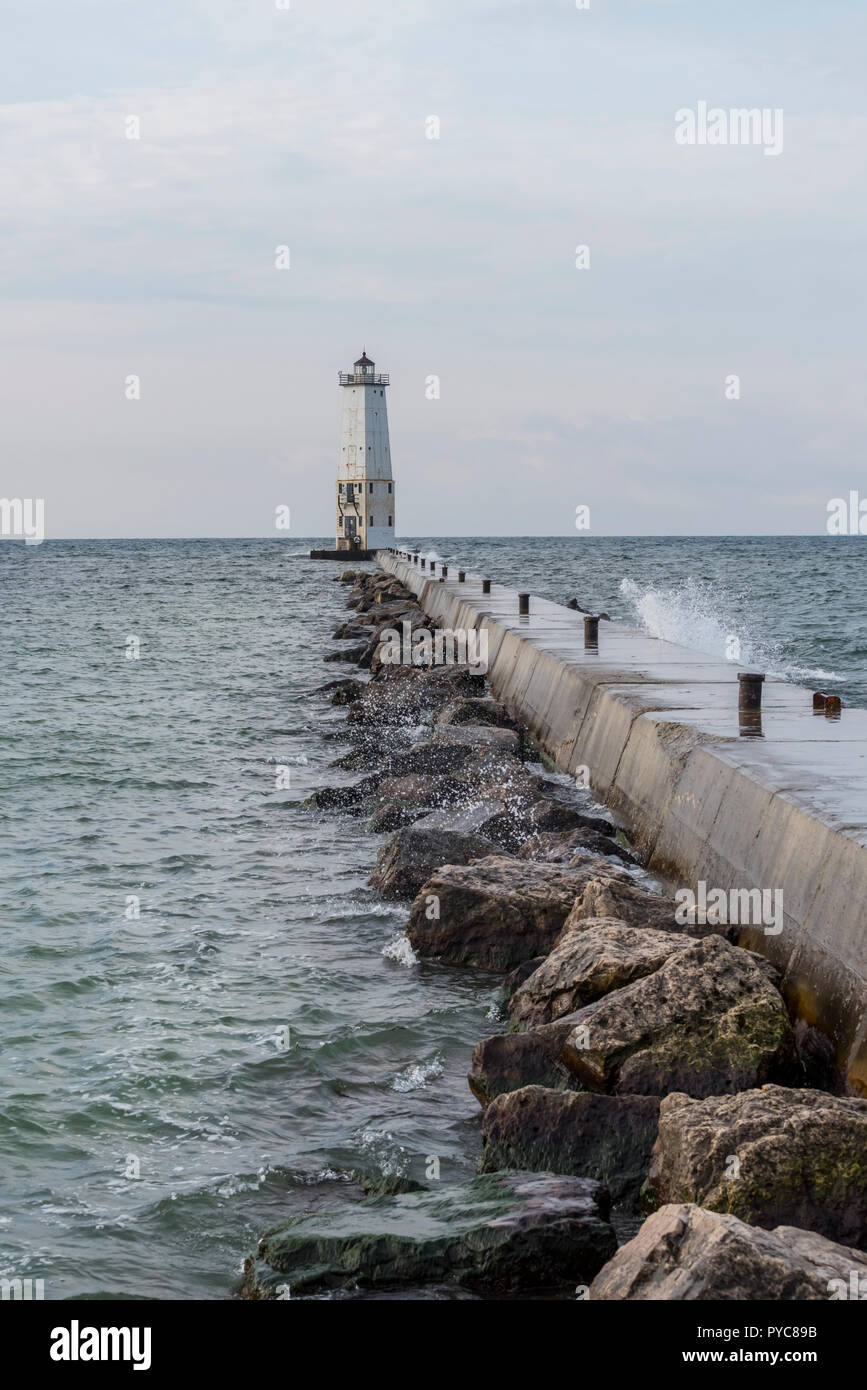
[801, 1159]
[499, 1232]
[707, 1022]
[609, 1138]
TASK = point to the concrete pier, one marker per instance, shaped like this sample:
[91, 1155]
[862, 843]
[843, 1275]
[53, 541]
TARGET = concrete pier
[776, 803]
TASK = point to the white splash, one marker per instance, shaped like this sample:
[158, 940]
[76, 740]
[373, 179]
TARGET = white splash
[413, 1078]
[400, 951]
[697, 614]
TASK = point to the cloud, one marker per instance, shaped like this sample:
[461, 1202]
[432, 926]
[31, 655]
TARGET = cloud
[261, 128]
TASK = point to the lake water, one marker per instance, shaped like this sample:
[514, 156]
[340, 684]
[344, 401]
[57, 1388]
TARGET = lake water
[209, 1020]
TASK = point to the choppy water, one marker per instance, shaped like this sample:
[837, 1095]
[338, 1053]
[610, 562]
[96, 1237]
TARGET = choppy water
[156, 1045]
[796, 604]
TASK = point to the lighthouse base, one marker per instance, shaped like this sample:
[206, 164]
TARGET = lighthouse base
[343, 555]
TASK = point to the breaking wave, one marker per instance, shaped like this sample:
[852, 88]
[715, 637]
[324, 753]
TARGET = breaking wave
[700, 615]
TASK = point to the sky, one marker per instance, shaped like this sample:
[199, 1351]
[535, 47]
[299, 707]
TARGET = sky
[606, 385]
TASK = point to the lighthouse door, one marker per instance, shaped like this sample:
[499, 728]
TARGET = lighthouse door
[350, 526]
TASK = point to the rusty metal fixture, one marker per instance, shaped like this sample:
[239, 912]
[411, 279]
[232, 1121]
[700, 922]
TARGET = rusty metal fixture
[445, 570]
[750, 690]
[486, 586]
[523, 603]
[750, 723]
[819, 700]
[422, 562]
[833, 706]
[591, 630]
[461, 576]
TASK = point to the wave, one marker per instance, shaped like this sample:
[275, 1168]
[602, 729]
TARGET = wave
[700, 615]
[400, 951]
[416, 1076]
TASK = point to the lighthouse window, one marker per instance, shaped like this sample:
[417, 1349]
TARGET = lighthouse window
[370, 487]
[389, 488]
[389, 521]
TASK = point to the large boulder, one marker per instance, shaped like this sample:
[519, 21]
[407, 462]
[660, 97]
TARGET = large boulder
[389, 615]
[772, 1156]
[589, 961]
[413, 781]
[686, 1254]
[408, 857]
[495, 913]
[351, 632]
[536, 1129]
[515, 978]
[400, 801]
[708, 1022]
[613, 895]
[552, 816]
[408, 694]
[499, 1233]
[433, 758]
[562, 846]
[344, 691]
[509, 1061]
[353, 654]
[474, 710]
[481, 737]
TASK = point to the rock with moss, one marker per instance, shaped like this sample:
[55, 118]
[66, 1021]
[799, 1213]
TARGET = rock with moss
[686, 1254]
[707, 1022]
[609, 1138]
[772, 1156]
[387, 1184]
[589, 961]
[497, 1233]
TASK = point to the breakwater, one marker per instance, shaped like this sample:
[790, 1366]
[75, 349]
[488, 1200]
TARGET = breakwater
[649, 1063]
[708, 800]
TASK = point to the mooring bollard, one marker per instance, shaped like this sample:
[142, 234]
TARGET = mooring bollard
[819, 699]
[486, 586]
[523, 603]
[749, 690]
[461, 576]
[591, 631]
[445, 570]
[422, 562]
[833, 706]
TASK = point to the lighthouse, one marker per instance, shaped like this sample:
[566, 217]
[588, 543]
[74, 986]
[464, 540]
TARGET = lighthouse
[365, 487]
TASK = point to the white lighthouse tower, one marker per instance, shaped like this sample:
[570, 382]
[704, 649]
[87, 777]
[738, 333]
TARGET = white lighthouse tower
[365, 487]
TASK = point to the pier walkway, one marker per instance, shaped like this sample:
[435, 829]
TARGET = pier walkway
[709, 795]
